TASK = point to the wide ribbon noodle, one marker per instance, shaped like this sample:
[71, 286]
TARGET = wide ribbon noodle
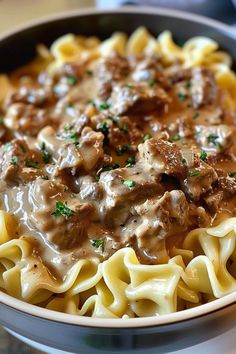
[205, 269]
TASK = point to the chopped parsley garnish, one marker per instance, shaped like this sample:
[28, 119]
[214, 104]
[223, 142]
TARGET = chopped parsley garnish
[146, 137]
[128, 183]
[68, 127]
[203, 155]
[71, 80]
[98, 244]
[74, 138]
[7, 147]
[72, 196]
[110, 167]
[92, 102]
[31, 163]
[104, 128]
[62, 210]
[1, 120]
[176, 137]
[14, 160]
[194, 173]
[89, 72]
[123, 149]
[124, 128]
[104, 105]
[213, 139]
[130, 162]
[232, 174]
[184, 161]
[184, 142]
[45, 154]
[69, 105]
[195, 115]
[97, 178]
[152, 83]
[45, 177]
[182, 96]
[129, 85]
[188, 85]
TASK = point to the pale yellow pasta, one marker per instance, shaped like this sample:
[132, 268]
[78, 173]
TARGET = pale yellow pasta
[6, 87]
[121, 286]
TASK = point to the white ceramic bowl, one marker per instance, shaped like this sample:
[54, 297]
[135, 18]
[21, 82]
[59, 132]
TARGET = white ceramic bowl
[89, 335]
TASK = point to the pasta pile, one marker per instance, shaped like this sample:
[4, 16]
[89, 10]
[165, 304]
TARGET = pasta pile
[205, 269]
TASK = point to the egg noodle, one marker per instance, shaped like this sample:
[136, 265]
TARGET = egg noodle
[202, 270]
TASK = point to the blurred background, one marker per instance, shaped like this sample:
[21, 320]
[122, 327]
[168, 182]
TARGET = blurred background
[13, 12]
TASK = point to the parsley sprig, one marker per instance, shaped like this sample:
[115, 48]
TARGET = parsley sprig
[45, 154]
[100, 243]
[62, 209]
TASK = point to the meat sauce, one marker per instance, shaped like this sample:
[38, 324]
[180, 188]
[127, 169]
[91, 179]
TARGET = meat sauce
[114, 153]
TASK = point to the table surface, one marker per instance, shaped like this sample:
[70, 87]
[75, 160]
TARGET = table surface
[8, 344]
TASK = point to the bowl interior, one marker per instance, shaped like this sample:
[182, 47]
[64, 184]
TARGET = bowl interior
[18, 47]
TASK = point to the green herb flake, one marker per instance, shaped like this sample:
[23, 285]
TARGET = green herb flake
[128, 183]
[203, 155]
[89, 72]
[97, 178]
[68, 127]
[213, 139]
[232, 174]
[123, 149]
[71, 80]
[14, 160]
[152, 83]
[184, 142]
[61, 209]
[1, 120]
[46, 156]
[129, 85]
[31, 163]
[104, 128]
[188, 85]
[104, 105]
[194, 173]
[45, 177]
[73, 137]
[7, 147]
[176, 137]
[98, 244]
[72, 196]
[184, 161]
[69, 105]
[130, 162]
[182, 96]
[110, 167]
[124, 129]
[195, 115]
[147, 137]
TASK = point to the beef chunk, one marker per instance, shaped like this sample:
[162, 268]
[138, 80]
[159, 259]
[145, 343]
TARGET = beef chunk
[200, 178]
[162, 217]
[213, 200]
[163, 156]
[149, 69]
[90, 147]
[215, 138]
[204, 89]
[36, 96]
[15, 161]
[111, 69]
[27, 119]
[177, 73]
[64, 224]
[227, 185]
[138, 99]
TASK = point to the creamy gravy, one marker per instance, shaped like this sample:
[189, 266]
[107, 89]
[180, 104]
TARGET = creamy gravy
[94, 159]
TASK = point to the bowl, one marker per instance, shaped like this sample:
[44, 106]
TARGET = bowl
[93, 335]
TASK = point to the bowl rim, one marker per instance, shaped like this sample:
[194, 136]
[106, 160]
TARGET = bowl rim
[129, 323]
